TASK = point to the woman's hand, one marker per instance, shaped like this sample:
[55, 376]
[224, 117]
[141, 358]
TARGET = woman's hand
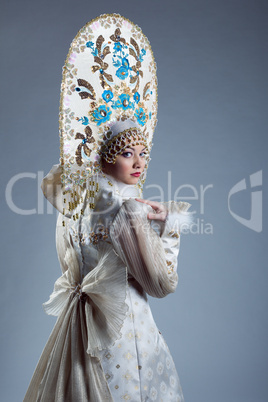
[160, 213]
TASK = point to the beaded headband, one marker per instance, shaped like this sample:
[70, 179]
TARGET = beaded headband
[117, 144]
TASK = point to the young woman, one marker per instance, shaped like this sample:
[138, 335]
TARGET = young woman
[114, 247]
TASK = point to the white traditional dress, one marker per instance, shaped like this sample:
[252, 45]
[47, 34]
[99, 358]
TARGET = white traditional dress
[105, 345]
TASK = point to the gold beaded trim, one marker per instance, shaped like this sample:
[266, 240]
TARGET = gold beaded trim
[116, 145]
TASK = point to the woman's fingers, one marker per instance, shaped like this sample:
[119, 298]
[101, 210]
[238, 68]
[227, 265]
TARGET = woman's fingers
[154, 204]
[160, 212]
[142, 200]
[158, 217]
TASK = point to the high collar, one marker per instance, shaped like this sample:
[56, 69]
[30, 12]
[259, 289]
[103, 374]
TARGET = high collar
[52, 189]
[126, 191]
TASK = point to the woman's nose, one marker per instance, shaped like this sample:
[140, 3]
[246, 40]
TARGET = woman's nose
[137, 161]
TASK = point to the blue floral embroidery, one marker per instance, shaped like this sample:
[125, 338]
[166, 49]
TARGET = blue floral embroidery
[90, 44]
[123, 102]
[116, 63]
[107, 96]
[122, 72]
[84, 120]
[117, 46]
[136, 97]
[143, 53]
[141, 116]
[120, 60]
[101, 114]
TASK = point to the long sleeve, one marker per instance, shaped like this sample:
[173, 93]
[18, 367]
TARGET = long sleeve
[143, 251]
[178, 219]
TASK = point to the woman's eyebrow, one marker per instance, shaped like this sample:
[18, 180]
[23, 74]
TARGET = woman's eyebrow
[134, 149]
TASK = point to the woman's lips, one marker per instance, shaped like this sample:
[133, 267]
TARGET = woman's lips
[137, 174]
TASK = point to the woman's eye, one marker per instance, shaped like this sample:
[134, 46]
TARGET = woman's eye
[143, 154]
[127, 154]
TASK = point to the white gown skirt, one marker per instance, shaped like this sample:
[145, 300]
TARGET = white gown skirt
[139, 366]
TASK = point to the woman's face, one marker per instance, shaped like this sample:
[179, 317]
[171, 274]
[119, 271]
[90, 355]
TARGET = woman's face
[128, 166]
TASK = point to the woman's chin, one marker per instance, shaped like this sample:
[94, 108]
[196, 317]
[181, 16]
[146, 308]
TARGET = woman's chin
[129, 180]
[133, 180]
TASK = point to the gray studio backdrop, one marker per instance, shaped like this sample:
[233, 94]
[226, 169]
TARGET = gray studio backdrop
[210, 148]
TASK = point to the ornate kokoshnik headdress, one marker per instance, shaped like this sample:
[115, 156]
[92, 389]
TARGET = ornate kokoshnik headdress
[108, 99]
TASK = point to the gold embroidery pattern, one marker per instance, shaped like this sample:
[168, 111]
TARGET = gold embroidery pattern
[127, 376]
[86, 139]
[126, 397]
[103, 50]
[170, 266]
[101, 234]
[174, 234]
[90, 93]
[128, 355]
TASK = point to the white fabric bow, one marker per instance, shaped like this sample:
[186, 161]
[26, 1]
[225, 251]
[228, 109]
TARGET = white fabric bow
[102, 292]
